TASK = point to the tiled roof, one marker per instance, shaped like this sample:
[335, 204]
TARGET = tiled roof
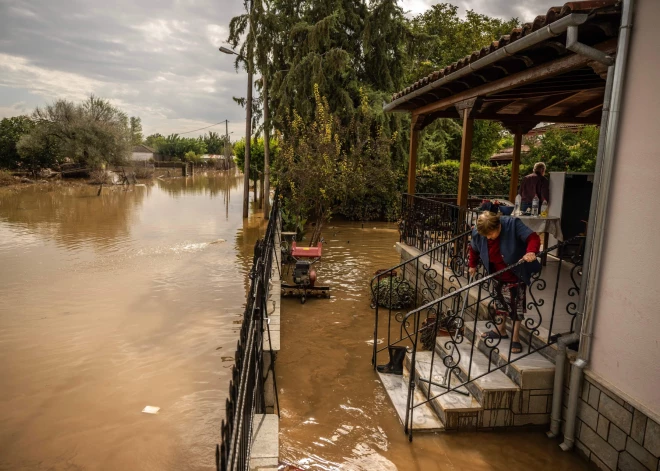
[553, 14]
[143, 149]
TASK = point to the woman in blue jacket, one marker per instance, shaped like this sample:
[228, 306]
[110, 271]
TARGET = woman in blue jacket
[500, 241]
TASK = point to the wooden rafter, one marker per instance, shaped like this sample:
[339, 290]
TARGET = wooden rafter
[551, 69]
[587, 107]
[549, 102]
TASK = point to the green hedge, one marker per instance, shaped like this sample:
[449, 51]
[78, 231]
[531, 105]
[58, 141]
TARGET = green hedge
[484, 180]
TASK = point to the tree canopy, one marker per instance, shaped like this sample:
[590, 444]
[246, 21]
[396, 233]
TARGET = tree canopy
[92, 133]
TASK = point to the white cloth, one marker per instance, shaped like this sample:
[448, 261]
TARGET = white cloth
[551, 225]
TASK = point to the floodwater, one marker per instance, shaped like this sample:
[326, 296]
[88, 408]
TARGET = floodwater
[335, 415]
[110, 304]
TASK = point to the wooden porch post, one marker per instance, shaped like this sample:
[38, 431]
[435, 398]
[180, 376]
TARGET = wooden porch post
[466, 157]
[412, 162]
[515, 163]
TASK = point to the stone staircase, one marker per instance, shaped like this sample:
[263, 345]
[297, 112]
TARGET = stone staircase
[499, 394]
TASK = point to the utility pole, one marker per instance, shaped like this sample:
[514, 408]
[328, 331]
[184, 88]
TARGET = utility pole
[266, 188]
[227, 153]
[248, 142]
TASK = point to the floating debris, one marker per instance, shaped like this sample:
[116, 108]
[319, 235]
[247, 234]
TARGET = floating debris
[151, 410]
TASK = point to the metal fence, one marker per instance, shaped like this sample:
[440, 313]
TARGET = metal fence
[246, 389]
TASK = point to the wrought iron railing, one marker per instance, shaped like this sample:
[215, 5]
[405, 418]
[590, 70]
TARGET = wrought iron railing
[428, 221]
[246, 389]
[416, 282]
[442, 298]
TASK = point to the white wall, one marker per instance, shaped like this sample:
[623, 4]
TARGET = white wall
[626, 344]
[142, 156]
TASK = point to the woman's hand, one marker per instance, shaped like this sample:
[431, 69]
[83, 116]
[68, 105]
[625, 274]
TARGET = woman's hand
[472, 271]
[529, 257]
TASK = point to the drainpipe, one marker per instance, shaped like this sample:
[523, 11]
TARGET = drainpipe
[596, 227]
[558, 392]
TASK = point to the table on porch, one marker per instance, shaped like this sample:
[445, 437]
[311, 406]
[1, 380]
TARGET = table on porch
[544, 225]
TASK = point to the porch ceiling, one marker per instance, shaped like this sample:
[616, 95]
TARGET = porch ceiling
[543, 83]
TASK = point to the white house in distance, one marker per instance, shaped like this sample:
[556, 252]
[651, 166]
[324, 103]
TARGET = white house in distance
[142, 153]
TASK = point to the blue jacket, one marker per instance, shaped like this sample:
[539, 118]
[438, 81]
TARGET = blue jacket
[513, 246]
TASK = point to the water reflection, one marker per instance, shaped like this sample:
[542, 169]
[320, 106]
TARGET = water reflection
[70, 216]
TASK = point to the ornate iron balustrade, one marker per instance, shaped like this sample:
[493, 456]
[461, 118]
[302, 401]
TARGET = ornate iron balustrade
[416, 282]
[427, 222]
[457, 305]
[246, 389]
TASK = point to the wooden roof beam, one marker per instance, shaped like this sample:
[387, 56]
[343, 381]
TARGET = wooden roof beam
[544, 71]
[587, 107]
[550, 102]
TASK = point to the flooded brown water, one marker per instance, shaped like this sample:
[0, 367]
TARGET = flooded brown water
[113, 303]
[336, 415]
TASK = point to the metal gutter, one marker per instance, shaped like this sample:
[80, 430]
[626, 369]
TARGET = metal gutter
[553, 29]
[596, 226]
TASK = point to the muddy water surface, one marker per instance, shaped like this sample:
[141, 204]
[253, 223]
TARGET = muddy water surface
[110, 304]
[335, 413]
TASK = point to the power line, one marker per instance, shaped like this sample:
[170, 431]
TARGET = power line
[201, 129]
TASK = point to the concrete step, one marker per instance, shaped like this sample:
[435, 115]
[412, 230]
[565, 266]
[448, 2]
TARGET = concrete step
[424, 418]
[492, 388]
[529, 371]
[456, 410]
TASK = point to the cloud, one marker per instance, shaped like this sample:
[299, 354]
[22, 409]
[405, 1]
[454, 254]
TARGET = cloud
[525, 10]
[157, 59]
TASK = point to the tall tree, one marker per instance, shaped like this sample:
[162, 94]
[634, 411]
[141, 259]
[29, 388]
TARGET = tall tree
[136, 130]
[443, 37]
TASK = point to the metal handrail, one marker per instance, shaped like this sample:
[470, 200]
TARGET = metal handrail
[459, 309]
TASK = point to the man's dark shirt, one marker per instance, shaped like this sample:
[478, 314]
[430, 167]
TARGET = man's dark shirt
[534, 184]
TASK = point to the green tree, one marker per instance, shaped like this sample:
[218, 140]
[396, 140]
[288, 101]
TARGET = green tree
[563, 150]
[256, 156]
[11, 130]
[136, 131]
[153, 140]
[215, 144]
[339, 46]
[442, 38]
[175, 147]
[319, 176]
[92, 133]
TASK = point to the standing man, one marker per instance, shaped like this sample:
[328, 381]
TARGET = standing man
[534, 184]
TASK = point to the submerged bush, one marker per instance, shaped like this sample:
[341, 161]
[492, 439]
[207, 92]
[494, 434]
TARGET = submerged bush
[393, 293]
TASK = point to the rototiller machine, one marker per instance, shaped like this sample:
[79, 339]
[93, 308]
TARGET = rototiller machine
[304, 275]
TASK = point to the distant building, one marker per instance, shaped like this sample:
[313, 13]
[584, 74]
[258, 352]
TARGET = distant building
[505, 156]
[142, 153]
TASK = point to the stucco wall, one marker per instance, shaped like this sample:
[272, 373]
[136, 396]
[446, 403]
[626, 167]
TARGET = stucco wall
[626, 344]
[142, 156]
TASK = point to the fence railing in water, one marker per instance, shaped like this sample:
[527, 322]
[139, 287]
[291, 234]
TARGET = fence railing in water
[246, 389]
[432, 292]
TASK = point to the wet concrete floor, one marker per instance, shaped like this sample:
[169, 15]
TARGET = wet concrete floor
[335, 413]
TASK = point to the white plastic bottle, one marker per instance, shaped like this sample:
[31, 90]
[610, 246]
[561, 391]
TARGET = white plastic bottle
[535, 206]
[516, 208]
[544, 209]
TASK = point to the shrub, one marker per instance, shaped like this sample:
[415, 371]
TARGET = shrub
[393, 293]
[442, 178]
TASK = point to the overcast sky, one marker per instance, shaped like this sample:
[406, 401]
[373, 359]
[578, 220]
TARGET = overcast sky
[157, 59]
